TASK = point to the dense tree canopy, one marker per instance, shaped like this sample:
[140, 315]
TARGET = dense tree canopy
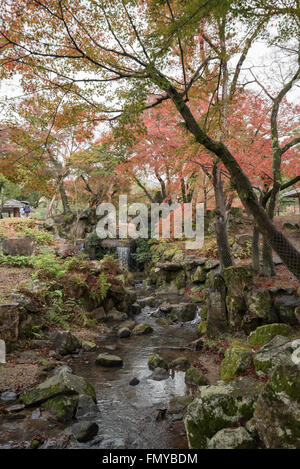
[114, 60]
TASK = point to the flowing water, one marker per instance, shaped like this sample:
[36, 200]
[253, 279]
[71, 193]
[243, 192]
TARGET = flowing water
[123, 253]
[128, 414]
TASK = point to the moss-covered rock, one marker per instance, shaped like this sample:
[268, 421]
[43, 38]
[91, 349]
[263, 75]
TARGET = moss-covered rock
[142, 329]
[88, 346]
[62, 383]
[271, 354]
[203, 312]
[194, 376]
[232, 438]
[61, 407]
[277, 413]
[108, 360]
[237, 359]
[237, 280]
[220, 406]
[202, 328]
[180, 362]
[180, 280]
[199, 275]
[156, 361]
[64, 342]
[258, 302]
[183, 312]
[264, 334]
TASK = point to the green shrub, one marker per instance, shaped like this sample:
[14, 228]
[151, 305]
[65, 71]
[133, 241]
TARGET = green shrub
[143, 253]
[16, 261]
[99, 291]
[48, 266]
[27, 228]
[41, 237]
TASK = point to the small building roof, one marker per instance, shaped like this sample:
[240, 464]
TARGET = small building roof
[293, 193]
[13, 204]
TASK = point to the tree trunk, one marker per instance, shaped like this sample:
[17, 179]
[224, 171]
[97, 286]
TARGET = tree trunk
[268, 268]
[255, 249]
[49, 210]
[220, 220]
[268, 264]
[64, 198]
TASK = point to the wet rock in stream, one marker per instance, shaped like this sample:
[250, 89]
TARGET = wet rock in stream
[84, 431]
[105, 359]
[134, 382]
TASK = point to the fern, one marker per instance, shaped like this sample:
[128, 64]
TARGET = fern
[99, 291]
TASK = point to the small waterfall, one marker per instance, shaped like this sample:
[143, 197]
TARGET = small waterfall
[124, 255]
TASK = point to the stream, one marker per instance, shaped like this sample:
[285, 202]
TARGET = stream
[128, 416]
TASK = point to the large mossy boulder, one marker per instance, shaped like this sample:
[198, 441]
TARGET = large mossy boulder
[220, 406]
[277, 413]
[264, 334]
[194, 376]
[258, 302]
[156, 361]
[62, 383]
[232, 438]
[238, 279]
[237, 359]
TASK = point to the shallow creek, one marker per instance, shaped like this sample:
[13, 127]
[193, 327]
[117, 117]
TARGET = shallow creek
[128, 414]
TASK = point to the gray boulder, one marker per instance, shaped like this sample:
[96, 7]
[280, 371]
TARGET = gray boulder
[17, 246]
[86, 407]
[26, 302]
[84, 431]
[8, 396]
[64, 342]
[67, 250]
[107, 360]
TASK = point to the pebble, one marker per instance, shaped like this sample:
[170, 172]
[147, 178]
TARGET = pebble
[8, 396]
[36, 414]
